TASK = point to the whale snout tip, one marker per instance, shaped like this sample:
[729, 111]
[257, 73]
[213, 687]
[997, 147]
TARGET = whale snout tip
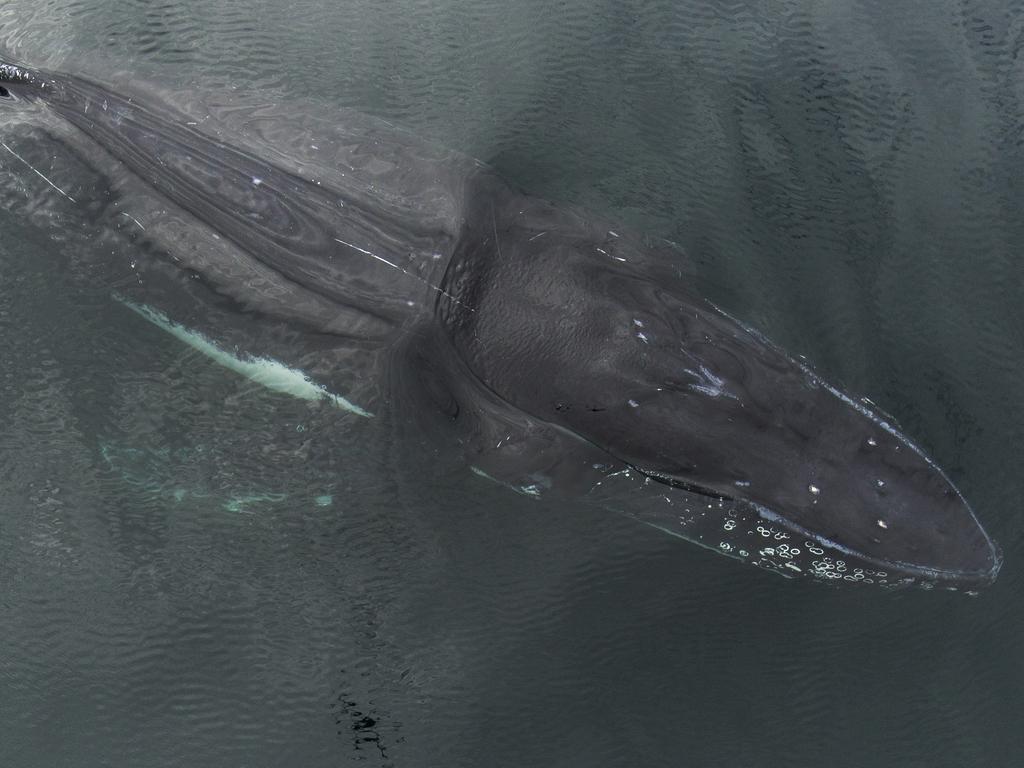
[933, 534]
[980, 563]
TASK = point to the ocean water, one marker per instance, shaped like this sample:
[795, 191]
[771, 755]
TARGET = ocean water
[198, 571]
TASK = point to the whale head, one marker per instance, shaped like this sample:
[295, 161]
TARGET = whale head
[750, 451]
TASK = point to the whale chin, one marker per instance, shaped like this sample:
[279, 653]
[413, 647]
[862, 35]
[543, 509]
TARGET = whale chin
[750, 533]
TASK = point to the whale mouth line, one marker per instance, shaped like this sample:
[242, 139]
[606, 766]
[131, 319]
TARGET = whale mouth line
[985, 575]
[689, 487]
[908, 569]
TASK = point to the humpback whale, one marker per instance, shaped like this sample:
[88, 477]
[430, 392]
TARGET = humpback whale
[560, 355]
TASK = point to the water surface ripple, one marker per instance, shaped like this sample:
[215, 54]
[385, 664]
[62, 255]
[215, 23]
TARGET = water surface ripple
[196, 573]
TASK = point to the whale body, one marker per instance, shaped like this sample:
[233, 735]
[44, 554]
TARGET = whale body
[559, 355]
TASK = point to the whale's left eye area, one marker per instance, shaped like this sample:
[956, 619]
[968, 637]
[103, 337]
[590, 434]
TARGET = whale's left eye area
[4, 93]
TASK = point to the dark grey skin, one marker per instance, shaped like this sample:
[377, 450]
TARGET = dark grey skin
[560, 356]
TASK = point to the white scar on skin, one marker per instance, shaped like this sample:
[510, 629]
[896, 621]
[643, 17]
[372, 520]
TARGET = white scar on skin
[37, 173]
[404, 271]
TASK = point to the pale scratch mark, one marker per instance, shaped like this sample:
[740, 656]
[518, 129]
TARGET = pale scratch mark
[134, 219]
[406, 272]
[494, 226]
[26, 162]
[532, 238]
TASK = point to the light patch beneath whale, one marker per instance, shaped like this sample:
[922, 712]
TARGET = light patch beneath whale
[265, 371]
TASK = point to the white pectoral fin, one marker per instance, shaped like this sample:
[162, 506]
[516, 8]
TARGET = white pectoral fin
[267, 372]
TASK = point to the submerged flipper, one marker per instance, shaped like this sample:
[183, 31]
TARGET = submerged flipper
[266, 372]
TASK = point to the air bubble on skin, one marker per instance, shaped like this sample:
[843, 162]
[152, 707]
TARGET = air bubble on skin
[742, 483]
[815, 490]
[872, 442]
[633, 403]
[882, 524]
[638, 323]
[256, 181]
[642, 337]
[880, 483]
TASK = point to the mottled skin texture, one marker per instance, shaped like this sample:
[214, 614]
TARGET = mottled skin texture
[559, 355]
